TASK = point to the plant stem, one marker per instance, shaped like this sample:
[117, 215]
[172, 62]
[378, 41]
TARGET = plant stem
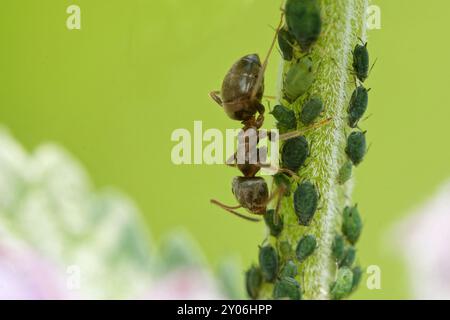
[343, 24]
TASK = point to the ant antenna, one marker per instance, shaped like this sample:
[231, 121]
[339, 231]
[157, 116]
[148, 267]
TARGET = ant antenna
[294, 134]
[266, 60]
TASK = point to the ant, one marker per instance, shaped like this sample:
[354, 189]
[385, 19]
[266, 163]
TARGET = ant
[241, 96]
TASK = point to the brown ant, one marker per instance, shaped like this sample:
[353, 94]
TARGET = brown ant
[241, 96]
[243, 88]
[251, 192]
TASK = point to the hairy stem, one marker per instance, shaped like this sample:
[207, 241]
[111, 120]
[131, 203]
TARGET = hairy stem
[343, 24]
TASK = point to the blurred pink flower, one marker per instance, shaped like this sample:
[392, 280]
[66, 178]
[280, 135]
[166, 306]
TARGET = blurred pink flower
[425, 243]
[25, 275]
[60, 238]
[185, 283]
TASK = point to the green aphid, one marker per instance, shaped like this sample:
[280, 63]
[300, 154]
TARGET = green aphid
[351, 224]
[268, 262]
[287, 288]
[338, 247]
[305, 247]
[356, 147]
[342, 287]
[349, 257]
[285, 250]
[304, 21]
[357, 275]
[282, 181]
[253, 281]
[311, 110]
[275, 225]
[345, 173]
[361, 61]
[294, 153]
[289, 269]
[306, 200]
[285, 117]
[358, 105]
[286, 42]
[298, 79]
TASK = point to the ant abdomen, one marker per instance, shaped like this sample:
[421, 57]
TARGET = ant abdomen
[251, 193]
[238, 86]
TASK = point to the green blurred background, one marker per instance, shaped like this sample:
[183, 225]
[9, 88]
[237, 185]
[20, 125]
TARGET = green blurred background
[113, 92]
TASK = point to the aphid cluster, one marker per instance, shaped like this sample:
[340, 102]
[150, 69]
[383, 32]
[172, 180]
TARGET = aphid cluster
[296, 39]
[278, 268]
[241, 98]
[279, 264]
[356, 141]
[348, 275]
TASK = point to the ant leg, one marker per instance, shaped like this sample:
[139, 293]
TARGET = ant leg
[280, 170]
[278, 192]
[298, 133]
[259, 121]
[215, 95]
[289, 172]
[276, 216]
[230, 209]
[274, 194]
[261, 109]
[232, 165]
[224, 206]
[259, 80]
[231, 161]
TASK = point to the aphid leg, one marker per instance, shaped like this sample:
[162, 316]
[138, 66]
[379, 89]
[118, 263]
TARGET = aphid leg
[368, 148]
[260, 78]
[230, 209]
[298, 133]
[367, 117]
[362, 41]
[215, 95]
[292, 45]
[373, 65]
